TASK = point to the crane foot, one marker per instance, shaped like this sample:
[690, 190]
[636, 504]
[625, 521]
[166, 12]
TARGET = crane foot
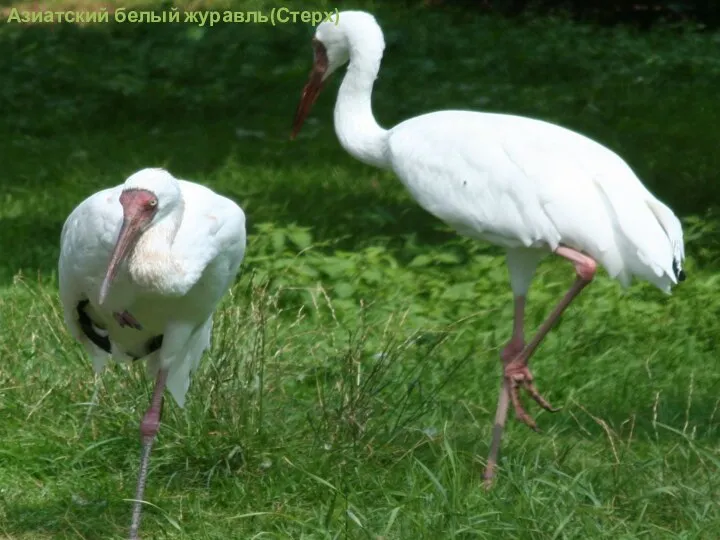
[519, 376]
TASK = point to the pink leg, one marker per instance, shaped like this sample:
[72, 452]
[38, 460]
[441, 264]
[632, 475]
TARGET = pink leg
[517, 373]
[513, 348]
[148, 429]
[516, 357]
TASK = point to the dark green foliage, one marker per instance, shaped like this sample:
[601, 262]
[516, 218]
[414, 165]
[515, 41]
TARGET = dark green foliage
[354, 370]
[639, 13]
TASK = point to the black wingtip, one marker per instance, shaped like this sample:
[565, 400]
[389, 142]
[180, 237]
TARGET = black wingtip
[154, 344]
[679, 274]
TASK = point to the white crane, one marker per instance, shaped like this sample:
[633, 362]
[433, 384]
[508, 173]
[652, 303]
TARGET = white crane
[524, 184]
[142, 268]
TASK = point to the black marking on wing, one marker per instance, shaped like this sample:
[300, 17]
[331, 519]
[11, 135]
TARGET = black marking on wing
[86, 325]
[679, 274]
[154, 344]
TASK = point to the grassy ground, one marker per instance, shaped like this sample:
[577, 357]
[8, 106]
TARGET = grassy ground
[354, 370]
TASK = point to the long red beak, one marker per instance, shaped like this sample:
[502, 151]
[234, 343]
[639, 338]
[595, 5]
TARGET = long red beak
[135, 216]
[312, 89]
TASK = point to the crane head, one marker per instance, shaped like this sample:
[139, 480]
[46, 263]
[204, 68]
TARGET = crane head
[336, 40]
[139, 209]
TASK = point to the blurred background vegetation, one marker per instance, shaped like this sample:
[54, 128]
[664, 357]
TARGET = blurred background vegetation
[354, 369]
[80, 96]
[642, 13]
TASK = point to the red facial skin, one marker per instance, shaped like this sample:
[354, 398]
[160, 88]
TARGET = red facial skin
[139, 208]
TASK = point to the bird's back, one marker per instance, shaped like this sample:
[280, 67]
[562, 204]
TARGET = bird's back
[516, 181]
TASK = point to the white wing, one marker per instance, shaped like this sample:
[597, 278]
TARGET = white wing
[211, 238]
[86, 242]
[516, 181]
[210, 245]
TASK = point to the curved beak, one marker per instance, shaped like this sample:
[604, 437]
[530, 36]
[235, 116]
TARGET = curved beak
[135, 217]
[315, 84]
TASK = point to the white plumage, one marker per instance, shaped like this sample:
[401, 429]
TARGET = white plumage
[519, 183]
[180, 268]
[524, 184]
[185, 246]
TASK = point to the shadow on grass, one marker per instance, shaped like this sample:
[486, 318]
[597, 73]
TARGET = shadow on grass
[64, 518]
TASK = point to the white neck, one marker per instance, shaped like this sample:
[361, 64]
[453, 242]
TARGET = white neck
[152, 264]
[355, 124]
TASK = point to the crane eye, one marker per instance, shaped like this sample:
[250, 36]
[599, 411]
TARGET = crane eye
[152, 203]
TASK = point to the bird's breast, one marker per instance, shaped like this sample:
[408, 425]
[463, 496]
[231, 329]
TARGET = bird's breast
[155, 271]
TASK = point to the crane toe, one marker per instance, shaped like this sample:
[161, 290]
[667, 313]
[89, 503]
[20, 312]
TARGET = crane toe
[520, 377]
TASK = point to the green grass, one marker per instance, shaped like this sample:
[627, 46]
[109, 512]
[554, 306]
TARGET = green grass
[354, 372]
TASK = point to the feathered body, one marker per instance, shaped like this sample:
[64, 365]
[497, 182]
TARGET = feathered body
[514, 181]
[523, 183]
[174, 278]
